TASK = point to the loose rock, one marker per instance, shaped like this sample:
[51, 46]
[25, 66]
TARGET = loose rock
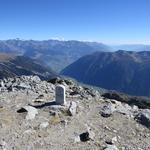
[31, 112]
[72, 108]
[144, 117]
[107, 110]
[84, 137]
[110, 147]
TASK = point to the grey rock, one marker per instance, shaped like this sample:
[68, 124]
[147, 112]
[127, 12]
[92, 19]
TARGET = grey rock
[124, 109]
[111, 147]
[91, 133]
[84, 137]
[144, 117]
[2, 83]
[8, 84]
[107, 110]
[31, 112]
[76, 138]
[44, 125]
[36, 79]
[55, 80]
[112, 141]
[23, 86]
[72, 108]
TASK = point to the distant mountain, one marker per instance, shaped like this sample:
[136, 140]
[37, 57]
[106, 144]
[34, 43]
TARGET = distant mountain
[125, 71]
[53, 53]
[132, 47]
[11, 66]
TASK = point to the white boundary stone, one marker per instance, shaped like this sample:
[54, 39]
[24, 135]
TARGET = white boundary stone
[60, 93]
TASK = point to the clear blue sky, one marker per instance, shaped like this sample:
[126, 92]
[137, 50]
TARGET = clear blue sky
[108, 21]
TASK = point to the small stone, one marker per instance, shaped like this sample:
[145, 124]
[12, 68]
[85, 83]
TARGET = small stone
[110, 147]
[36, 79]
[44, 125]
[2, 84]
[91, 134]
[76, 138]
[84, 137]
[39, 100]
[114, 140]
[90, 131]
[53, 113]
[135, 108]
[72, 108]
[64, 122]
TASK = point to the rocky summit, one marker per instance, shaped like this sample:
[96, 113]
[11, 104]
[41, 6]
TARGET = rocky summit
[30, 118]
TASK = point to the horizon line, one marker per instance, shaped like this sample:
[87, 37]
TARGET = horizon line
[91, 41]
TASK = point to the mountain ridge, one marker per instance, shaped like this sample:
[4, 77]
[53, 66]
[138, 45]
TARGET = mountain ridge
[125, 71]
[13, 65]
[54, 53]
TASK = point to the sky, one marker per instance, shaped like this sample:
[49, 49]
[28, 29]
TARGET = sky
[106, 21]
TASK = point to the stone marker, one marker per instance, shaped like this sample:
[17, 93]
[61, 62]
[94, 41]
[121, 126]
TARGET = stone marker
[60, 95]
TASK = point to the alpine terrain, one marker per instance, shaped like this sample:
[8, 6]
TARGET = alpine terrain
[30, 118]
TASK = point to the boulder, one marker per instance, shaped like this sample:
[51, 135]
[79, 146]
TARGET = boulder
[144, 117]
[23, 86]
[107, 110]
[35, 79]
[31, 112]
[55, 80]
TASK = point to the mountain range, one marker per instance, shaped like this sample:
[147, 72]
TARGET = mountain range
[125, 71]
[131, 47]
[53, 53]
[11, 65]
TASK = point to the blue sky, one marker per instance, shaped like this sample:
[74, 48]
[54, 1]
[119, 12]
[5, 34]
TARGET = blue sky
[107, 21]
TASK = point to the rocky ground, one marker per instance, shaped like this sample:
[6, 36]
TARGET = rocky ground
[30, 120]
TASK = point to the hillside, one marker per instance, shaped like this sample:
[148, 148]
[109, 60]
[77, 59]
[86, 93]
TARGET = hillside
[54, 53]
[125, 71]
[11, 65]
[30, 118]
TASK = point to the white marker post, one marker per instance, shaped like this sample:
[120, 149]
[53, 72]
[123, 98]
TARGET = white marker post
[60, 93]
